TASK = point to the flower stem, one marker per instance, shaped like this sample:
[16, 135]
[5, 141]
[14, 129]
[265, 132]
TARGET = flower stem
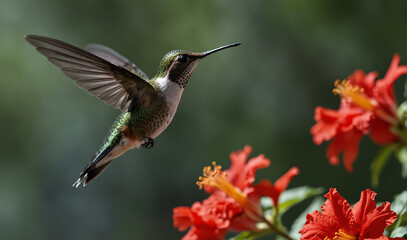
[276, 230]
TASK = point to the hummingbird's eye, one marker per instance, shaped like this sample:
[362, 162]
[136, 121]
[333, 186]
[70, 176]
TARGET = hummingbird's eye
[182, 58]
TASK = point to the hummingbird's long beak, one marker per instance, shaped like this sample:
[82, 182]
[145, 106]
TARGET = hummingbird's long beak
[204, 54]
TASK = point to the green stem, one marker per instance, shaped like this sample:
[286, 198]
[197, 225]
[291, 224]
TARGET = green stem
[276, 230]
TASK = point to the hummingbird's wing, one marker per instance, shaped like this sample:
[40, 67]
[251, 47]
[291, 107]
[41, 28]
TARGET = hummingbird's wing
[113, 84]
[115, 58]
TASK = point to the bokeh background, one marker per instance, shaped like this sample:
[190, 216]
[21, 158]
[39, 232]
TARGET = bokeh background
[262, 93]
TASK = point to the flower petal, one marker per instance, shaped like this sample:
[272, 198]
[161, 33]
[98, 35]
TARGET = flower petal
[385, 85]
[377, 220]
[339, 221]
[205, 233]
[282, 183]
[336, 206]
[251, 167]
[348, 143]
[182, 217]
[380, 132]
[326, 126]
[238, 161]
[266, 188]
[364, 206]
[243, 223]
[366, 81]
[384, 90]
[191, 235]
[319, 226]
[208, 220]
[242, 174]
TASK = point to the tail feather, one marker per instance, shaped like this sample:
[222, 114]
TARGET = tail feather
[94, 168]
[90, 173]
[105, 155]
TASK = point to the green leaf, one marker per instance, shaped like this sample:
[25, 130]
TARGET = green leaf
[293, 196]
[399, 232]
[379, 162]
[402, 157]
[399, 205]
[300, 221]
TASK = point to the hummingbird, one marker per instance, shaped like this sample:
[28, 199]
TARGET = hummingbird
[147, 105]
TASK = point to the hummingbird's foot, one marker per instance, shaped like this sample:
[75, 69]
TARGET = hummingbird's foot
[148, 142]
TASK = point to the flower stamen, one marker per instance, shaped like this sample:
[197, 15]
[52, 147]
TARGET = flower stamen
[215, 177]
[357, 96]
[342, 235]
[354, 93]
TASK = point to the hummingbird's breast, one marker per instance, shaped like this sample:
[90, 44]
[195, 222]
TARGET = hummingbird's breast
[151, 121]
[171, 93]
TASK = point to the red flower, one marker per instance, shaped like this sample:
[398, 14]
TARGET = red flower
[367, 107]
[266, 188]
[240, 173]
[208, 220]
[346, 126]
[339, 221]
[234, 203]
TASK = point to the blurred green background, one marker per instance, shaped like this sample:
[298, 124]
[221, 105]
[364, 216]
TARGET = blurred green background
[262, 93]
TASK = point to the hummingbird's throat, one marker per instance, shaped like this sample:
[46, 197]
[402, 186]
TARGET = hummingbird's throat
[181, 76]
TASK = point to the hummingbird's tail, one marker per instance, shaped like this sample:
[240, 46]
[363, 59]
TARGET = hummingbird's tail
[114, 145]
[89, 174]
[94, 168]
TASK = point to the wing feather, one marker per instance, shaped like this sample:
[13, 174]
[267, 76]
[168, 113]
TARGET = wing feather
[115, 58]
[102, 72]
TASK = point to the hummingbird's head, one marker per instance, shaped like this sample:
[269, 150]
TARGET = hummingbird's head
[179, 64]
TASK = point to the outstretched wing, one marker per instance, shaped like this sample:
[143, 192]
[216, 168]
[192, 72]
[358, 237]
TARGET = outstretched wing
[115, 58]
[111, 83]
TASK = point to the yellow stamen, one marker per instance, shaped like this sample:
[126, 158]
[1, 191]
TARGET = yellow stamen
[342, 235]
[354, 93]
[358, 97]
[215, 177]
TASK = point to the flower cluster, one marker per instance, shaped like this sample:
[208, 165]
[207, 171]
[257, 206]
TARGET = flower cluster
[338, 221]
[234, 201]
[367, 107]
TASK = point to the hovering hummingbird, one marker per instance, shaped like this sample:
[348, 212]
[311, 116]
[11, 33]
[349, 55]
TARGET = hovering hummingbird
[148, 105]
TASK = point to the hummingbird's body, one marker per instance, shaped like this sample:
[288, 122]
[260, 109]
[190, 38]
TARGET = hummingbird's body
[148, 105]
[129, 129]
